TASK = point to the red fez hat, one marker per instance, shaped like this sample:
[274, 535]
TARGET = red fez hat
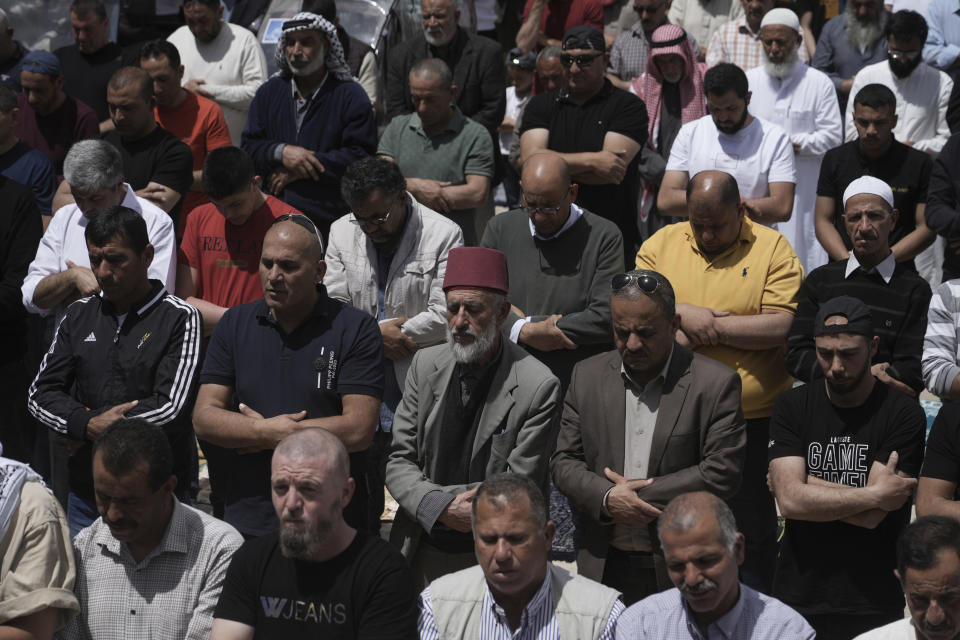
[476, 268]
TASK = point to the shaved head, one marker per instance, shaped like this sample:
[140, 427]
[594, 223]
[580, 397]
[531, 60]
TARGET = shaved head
[546, 168]
[299, 236]
[315, 442]
[547, 192]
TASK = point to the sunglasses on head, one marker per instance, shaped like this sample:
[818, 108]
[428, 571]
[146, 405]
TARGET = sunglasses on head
[582, 60]
[302, 220]
[644, 282]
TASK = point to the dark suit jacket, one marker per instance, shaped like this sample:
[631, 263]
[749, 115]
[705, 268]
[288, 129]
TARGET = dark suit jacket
[478, 73]
[699, 441]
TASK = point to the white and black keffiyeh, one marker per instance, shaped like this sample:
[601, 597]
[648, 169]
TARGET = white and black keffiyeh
[12, 476]
[335, 61]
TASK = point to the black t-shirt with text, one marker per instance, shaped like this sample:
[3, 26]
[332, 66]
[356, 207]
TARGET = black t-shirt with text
[365, 592]
[835, 567]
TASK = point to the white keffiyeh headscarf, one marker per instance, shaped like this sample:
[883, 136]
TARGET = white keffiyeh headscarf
[12, 476]
[335, 62]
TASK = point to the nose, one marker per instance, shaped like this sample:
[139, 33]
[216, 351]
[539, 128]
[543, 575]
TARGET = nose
[934, 615]
[292, 501]
[112, 512]
[691, 575]
[634, 343]
[502, 552]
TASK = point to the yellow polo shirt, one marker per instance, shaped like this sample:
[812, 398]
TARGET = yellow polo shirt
[760, 271]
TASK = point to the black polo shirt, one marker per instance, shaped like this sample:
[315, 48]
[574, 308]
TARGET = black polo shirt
[581, 128]
[905, 169]
[337, 350]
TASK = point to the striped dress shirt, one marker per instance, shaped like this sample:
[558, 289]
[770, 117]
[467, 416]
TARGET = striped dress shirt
[538, 621]
[941, 351]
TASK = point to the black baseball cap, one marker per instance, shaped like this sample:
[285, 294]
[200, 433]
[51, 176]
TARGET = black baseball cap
[584, 37]
[859, 320]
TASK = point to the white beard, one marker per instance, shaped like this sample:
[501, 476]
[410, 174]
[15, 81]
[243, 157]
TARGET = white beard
[441, 40]
[476, 350]
[863, 34]
[311, 68]
[782, 69]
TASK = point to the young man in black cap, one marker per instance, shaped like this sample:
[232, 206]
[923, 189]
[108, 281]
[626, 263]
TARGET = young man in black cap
[843, 457]
[597, 128]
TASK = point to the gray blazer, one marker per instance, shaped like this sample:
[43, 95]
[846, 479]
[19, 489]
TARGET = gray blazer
[699, 441]
[519, 421]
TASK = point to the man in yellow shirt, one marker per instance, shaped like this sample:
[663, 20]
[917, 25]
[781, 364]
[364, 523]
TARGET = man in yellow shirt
[736, 284]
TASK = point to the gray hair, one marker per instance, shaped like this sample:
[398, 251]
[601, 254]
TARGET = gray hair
[685, 512]
[433, 66]
[664, 296]
[503, 489]
[91, 165]
[549, 53]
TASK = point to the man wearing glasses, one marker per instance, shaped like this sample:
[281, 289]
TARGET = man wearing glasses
[560, 258]
[641, 425]
[292, 360]
[388, 258]
[596, 128]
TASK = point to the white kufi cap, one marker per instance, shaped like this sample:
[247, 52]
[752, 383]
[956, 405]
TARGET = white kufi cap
[786, 17]
[871, 185]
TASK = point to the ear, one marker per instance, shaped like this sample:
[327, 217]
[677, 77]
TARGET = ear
[746, 99]
[348, 488]
[147, 255]
[168, 486]
[874, 345]
[58, 83]
[15, 116]
[255, 183]
[574, 191]
[321, 270]
[549, 531]
[675, 323]
[896, 216]
[453, 94]
[739, 549]
[220, 12]
[180, 72]
[503, 312]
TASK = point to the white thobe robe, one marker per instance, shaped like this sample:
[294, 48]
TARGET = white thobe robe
[805, 104]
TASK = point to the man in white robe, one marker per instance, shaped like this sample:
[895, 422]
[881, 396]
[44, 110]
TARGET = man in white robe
[803, 101]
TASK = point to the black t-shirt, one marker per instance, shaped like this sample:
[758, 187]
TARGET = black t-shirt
[85, 75]
[365, 592]
[835, 567]
[942, 460]
[906, 170]
[157, 157]
[581, 128]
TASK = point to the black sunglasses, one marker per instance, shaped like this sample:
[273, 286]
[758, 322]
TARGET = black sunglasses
[583, 60]
[644, 282]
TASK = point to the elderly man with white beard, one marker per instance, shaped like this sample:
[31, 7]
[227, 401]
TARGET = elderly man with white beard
[851, 41]
[473, 407]
[804, 102]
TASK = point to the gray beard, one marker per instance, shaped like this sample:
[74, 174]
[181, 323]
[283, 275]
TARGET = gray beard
[304, 545]
[439, 41]
[315, 65]
[863, 34]
[475, 351]
[782, 69]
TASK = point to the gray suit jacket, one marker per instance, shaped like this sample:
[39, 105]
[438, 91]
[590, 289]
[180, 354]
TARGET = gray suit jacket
[699, 441]
[518, 425]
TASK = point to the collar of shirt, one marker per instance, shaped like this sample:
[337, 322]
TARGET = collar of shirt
[265, 316]
[744, 28]
[141, 306]
[643, 388]
[575, 214]
[457, 120]
[303, 102]
[885, 268]
[746, 237]
[540, 605]
[175, 538]
[727, 623]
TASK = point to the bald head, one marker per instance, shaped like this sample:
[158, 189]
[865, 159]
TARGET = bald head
[715, 186]
[297, 235]
[689, 510]
[316, 443]
[547, 191]
[546, 168]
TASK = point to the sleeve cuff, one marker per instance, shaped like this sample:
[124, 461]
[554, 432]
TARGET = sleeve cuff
[278, 152]
[430, 508]
[604, 513]
[516, 328]
[77, 424]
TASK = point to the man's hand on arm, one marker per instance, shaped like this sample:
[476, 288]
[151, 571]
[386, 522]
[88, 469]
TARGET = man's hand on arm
[430, 193]
[160, 195]
[622, 502]
[765, 330]
[301, 162]
[271, 430]
[879, 371]
[245, 430]
[699, 324]
[196, 85]
[777, 207]
[458, 514]
[545, 335]
[396, 344]
[65, 287]
[99, 423]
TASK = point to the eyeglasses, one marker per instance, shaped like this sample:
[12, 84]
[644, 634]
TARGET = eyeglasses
[583, 60]
[907, 55]
[548, 211]
[303, 221]
[643, 281]
[379, 222]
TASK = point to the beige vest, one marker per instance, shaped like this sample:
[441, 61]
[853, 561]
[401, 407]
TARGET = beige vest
[580, 605]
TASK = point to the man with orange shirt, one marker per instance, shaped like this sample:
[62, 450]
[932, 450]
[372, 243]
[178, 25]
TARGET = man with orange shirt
[196, 120]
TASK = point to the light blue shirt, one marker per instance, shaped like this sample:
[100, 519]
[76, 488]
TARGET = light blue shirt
[943, 38]
[755, 616]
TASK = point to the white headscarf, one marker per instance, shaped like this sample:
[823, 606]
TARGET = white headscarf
[335, 62]
[12, 476]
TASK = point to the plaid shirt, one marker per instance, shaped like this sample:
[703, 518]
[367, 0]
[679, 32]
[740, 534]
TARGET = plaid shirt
[735, 42]
[169, 594]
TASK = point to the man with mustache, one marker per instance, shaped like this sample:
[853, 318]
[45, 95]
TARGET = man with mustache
[851, 41]
[149, 562]
[803, 101]
[896, 296]
[922, 91]
[738, 41]
[703, 550]
[641, 425]
[473, 407]
[928, 566]
[844, 454]
[317, 577]
[309, 121]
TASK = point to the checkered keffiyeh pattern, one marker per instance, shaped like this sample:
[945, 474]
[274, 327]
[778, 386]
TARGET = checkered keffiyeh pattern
[335, 61]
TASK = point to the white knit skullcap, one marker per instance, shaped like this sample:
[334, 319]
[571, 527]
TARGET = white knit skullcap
[786, 17]
[871, 185]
